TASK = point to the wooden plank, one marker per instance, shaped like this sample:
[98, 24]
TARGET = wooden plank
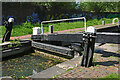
[53, 48]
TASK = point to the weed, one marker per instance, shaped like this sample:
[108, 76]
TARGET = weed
[97, 65]
[111, 44]
[10, 45]
[94, 59]
[56, 76]
[94, 63]
[80, 69]
[69, 69]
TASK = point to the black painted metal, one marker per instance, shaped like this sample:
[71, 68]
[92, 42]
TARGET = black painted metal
[89, 42]
[77, 47]
[7, 34]
[104, 35]
[109, 29]
[66, 37]
[101, 37]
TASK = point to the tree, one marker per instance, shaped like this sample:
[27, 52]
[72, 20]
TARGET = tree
[99, 6]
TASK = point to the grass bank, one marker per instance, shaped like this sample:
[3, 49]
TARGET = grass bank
[26, 28]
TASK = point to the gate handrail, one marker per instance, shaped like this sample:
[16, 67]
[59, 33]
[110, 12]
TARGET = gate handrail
[63, 20]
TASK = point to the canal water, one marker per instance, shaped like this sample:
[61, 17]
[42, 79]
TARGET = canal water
[27, 65]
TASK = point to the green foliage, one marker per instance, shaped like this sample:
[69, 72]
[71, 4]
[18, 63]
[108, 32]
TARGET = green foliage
[16, 42]
[69, 69]
[94, 59]
[112, 15]
[10, 45]
[23, 77]
[64, 26]
[27, 24]
[99, 6]
[48, 17]
[61, 16]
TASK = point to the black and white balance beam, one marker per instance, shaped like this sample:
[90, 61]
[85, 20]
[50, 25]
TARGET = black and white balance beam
[101, 37]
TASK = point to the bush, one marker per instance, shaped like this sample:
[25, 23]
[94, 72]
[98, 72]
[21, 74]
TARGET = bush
[27, 25]
[48, 17]
[34, 18]
[112, 16]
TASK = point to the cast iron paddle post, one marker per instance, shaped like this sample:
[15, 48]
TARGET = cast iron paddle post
[89, 42]
[8, 25]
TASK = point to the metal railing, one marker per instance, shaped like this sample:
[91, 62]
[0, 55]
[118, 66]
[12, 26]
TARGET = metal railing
[113, 22]
[51, 21]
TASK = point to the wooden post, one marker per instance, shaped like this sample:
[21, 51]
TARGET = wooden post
[50, 29]
[103, 22]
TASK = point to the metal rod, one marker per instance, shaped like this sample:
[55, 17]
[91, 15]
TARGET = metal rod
[113, 22]
[62, 20]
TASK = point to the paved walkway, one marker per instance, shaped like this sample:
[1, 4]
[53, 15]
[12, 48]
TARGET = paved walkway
[105, 62]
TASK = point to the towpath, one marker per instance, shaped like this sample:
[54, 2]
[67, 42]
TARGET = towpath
[64, 31]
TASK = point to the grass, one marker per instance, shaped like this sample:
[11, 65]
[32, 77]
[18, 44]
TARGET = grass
[26, 28]
[0, 41]
[111, 44]
[113, 75]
